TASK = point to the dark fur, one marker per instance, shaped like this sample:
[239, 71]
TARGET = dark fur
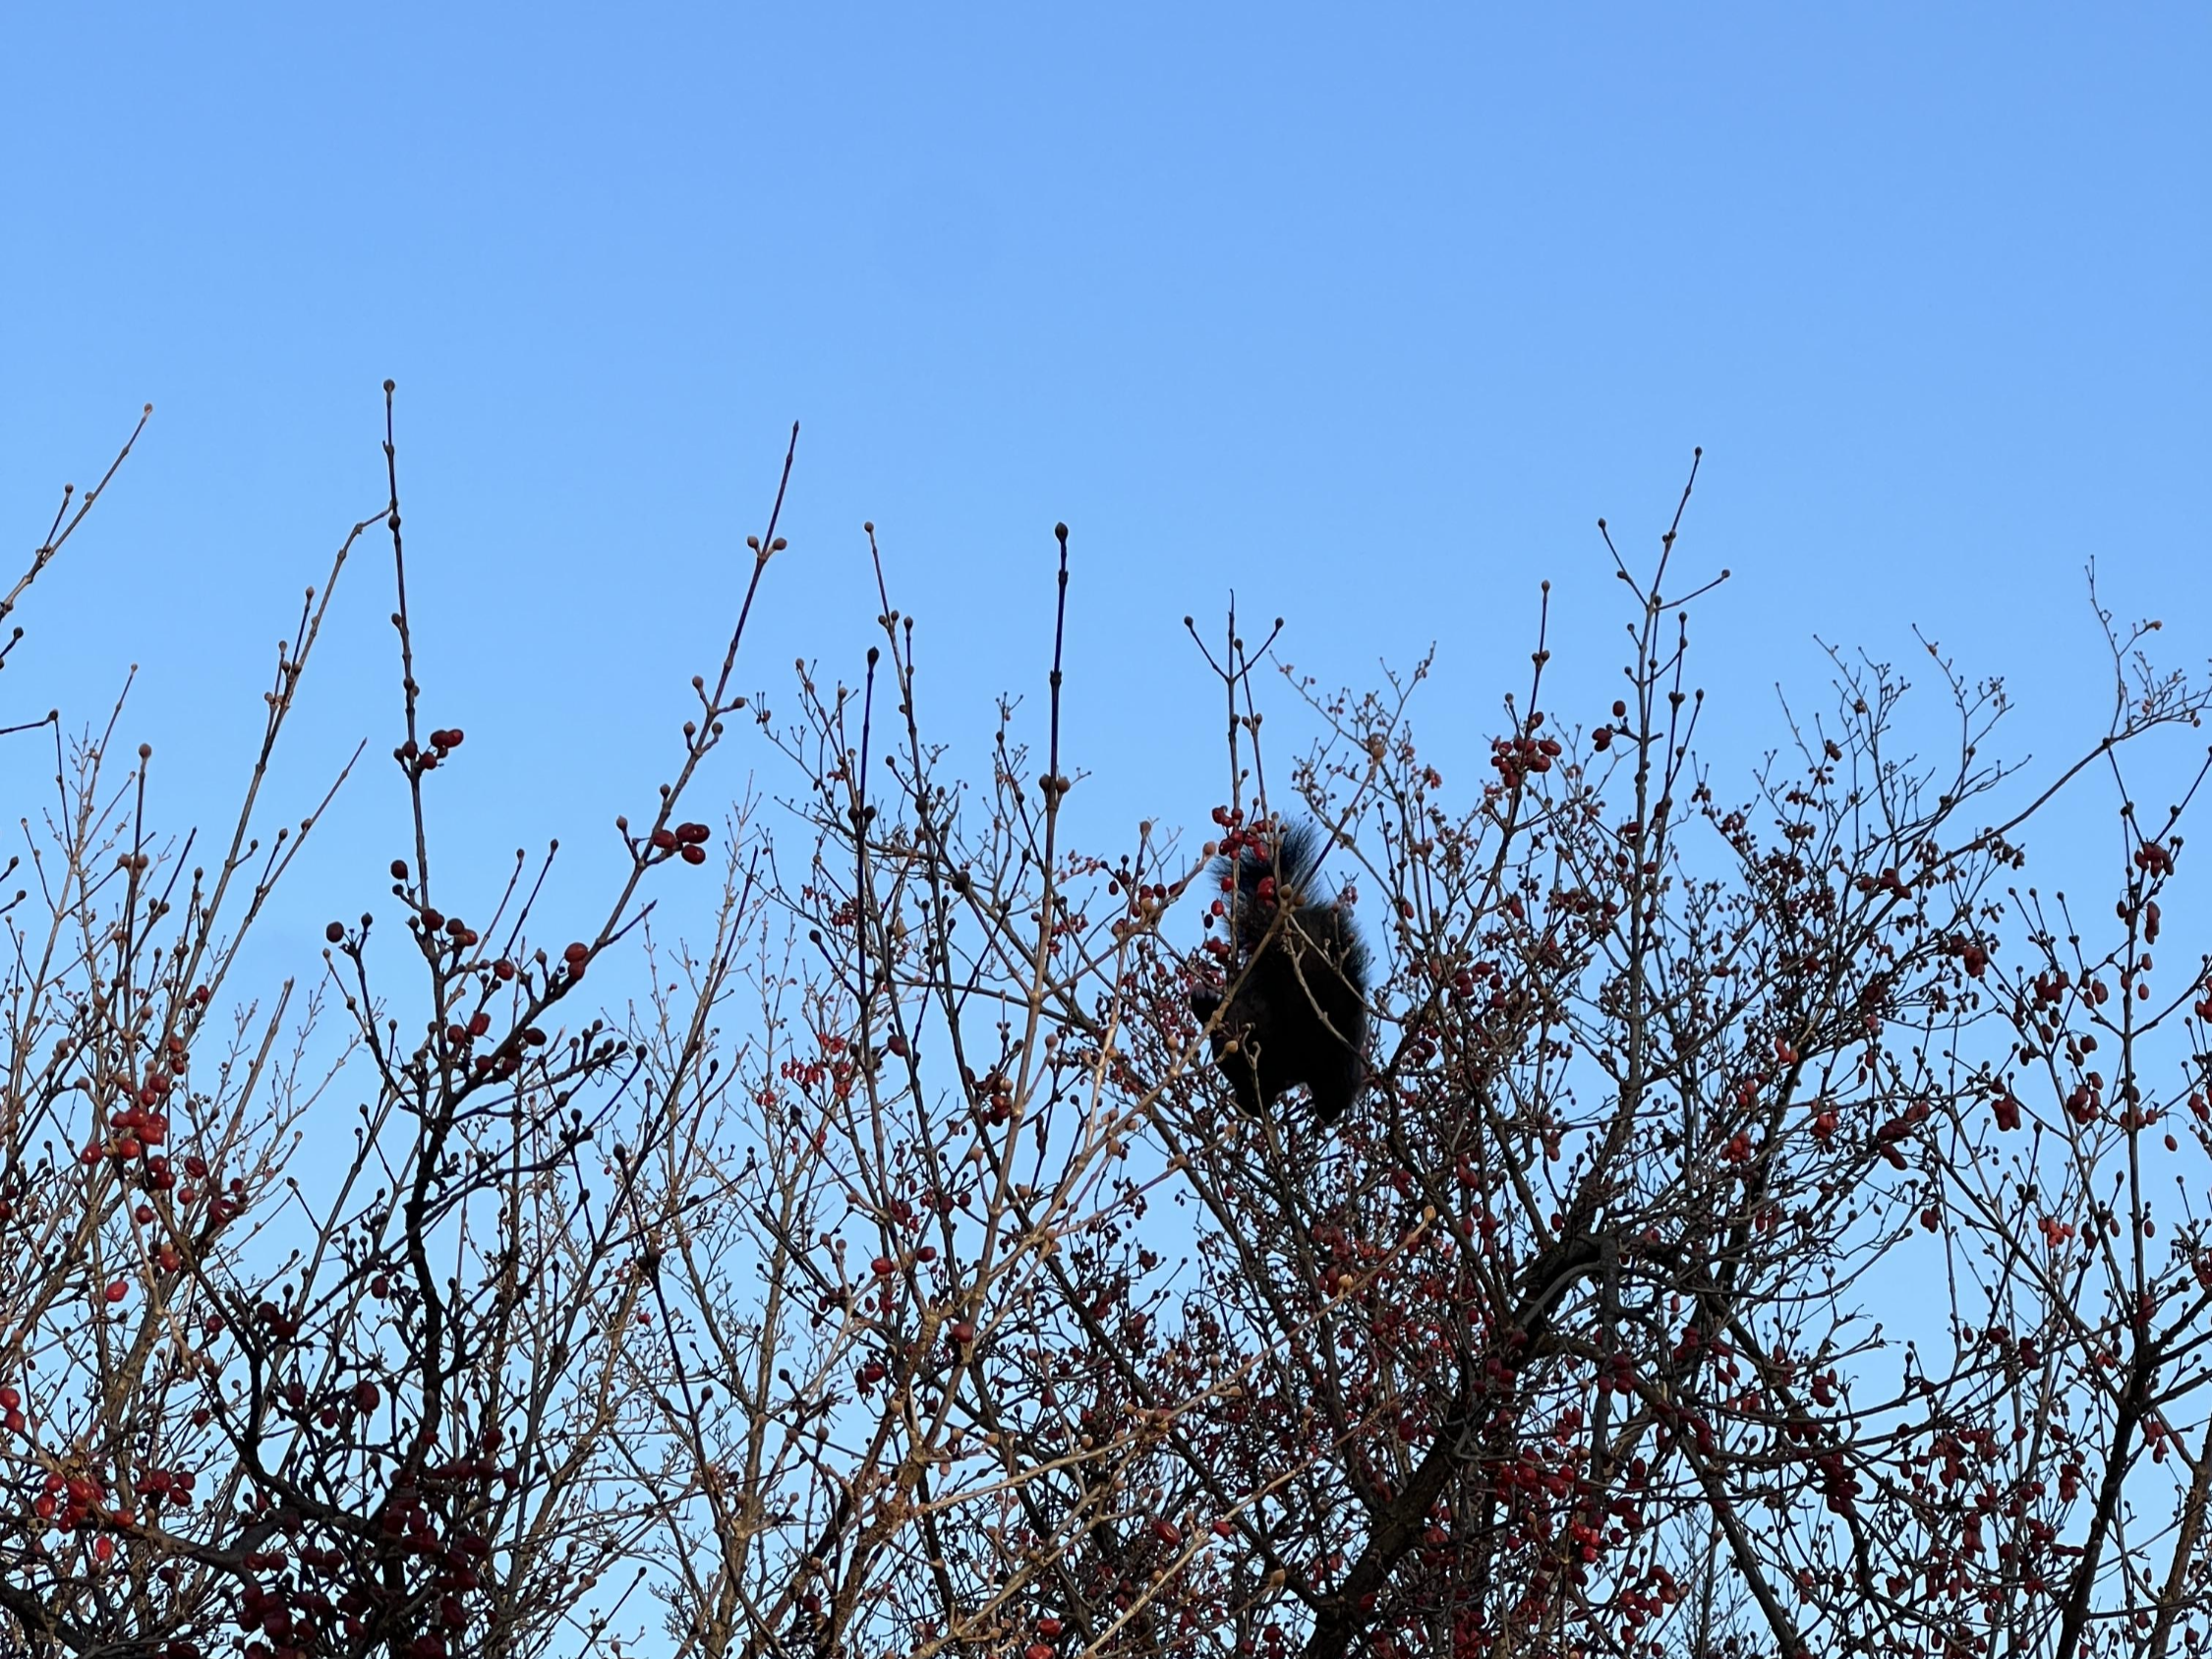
[1297, 983]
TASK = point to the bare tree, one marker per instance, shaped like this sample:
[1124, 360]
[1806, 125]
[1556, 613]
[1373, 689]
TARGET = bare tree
[397, 1410]
[1565, 1343]
[1755, 1233]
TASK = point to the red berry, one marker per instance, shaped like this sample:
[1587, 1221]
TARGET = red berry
[576, 953]
[116, 1291]
[335, 932]
[693, 854]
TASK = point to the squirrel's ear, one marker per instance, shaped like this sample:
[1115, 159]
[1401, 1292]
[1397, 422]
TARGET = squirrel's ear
[1203, 1004]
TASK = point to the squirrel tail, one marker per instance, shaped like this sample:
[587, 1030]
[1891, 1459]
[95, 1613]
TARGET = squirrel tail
[1283, 863]
[1285, 857]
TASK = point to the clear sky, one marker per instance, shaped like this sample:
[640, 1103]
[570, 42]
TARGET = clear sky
[1365, 313]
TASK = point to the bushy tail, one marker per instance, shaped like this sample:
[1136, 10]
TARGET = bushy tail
[1284, 862]
[1271, 862]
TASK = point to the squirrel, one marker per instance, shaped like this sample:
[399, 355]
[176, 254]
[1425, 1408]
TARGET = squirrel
[1295, 1009]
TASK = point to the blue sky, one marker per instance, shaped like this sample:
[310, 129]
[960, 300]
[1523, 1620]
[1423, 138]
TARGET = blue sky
[1367, 314]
